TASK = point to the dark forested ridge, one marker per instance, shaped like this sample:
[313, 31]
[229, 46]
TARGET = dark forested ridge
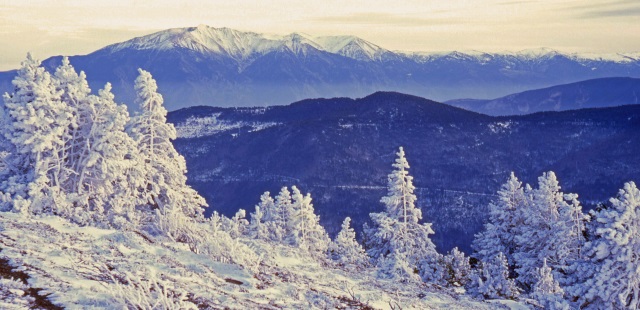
[341, 150]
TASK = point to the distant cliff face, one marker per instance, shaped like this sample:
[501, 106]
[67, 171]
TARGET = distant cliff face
[224, 67]
[341, 151]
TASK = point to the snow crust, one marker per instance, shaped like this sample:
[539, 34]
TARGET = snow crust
[85, 267]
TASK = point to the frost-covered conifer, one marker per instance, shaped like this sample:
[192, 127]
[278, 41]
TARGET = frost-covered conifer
[164, 168]
[277, 217]
[260, 226]
[547, 231]
[75, 93]
[609, 274]
[345, 249]
[291, 220]
[37, 120]
[305, 230]
[493, 280]
[547, 291]
[396, 230]
[458, 269]
[257, 228]
[505, 217]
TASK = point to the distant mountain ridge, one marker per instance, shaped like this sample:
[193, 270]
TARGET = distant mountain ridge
[596, 93]
[225, 67]
[341, 151]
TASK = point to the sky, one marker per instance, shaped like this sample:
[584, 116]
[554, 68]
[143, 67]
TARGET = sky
[64, 27]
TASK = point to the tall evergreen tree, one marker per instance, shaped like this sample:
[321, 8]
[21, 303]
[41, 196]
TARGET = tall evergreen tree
[505, 217]
[38, 120]
[165, 184]
[75, 93]
[608, 277]
[397, 230]
[546, 233]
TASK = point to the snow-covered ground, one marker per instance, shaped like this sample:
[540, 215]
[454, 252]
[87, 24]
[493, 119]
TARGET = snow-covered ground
[86, 267]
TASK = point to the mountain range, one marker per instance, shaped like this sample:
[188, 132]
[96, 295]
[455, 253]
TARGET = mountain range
[341, 151]
[603, 92]
[225, 67]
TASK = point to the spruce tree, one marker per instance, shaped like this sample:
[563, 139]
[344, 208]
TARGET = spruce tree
[493, 280]
[547, 232]
[397, 230]
[345, 249]
[608, 276]
[37, 120]
[547, 291]
[165, 180]
[505, 217]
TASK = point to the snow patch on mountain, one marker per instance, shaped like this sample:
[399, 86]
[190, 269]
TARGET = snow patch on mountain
[195, 127]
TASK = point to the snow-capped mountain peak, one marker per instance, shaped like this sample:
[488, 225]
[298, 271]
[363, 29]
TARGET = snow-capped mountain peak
[352, 47]
[534, 53]
[242, 46]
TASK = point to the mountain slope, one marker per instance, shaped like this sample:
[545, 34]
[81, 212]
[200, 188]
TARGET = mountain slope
[605, 92]
[225, 67]
[341, 151]
[92, 268]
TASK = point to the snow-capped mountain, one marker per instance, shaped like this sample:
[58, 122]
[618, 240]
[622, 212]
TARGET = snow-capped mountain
[225, 67]
[245, 46]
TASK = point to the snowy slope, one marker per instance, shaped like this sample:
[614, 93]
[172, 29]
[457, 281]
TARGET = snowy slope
[86, 267]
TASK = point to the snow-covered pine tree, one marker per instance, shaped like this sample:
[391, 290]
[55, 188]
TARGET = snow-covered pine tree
[257, 229]
[493, 280]
[458, 268]
[546, 233]
[505, 217]
[547, 291]
[304, 229]
[165, 181]
[75, 93]
[38, 120]
[277, 218]
[397, 230]
[346, 250]
[609, 275]
[260, 226]
[106, 171]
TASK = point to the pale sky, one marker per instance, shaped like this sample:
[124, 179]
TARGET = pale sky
[66, 27]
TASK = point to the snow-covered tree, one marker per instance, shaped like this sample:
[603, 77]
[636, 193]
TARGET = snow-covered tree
[165, 180]
[75, 93]
[397, 230]
[547, 291]
[505, 217]
[547, 231]
[257, 229]
[609, 274]
[304, 225]
[458, 268]
[277, 214]
[493, 280]
[345, 249]
[37, 120]
[291, 220]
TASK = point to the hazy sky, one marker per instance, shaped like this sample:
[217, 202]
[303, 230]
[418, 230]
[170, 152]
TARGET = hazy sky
[54, 27]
